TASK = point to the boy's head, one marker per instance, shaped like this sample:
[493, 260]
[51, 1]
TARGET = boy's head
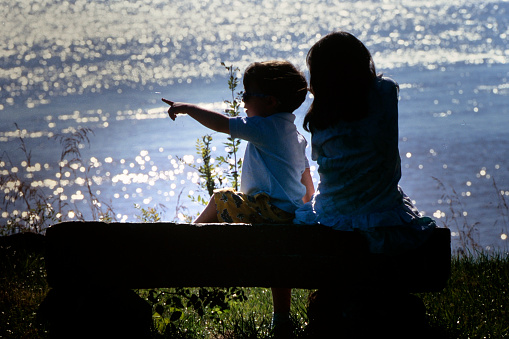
[279, 79]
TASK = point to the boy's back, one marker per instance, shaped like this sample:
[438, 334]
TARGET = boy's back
[275, 158]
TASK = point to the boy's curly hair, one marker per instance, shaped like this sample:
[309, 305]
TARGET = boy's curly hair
[280, 79]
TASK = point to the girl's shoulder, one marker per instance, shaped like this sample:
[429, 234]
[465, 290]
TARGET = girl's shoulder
[385, 85]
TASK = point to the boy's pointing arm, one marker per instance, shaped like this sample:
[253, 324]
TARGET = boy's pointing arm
[210, 119]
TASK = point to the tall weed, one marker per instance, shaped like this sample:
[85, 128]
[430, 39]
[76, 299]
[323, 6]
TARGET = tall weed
[456, 219]
[35, 206]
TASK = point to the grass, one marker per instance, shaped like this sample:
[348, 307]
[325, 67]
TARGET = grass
[473, 305]
[23, 286]
[243, 319]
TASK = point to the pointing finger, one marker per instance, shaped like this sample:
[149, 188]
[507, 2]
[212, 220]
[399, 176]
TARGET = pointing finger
[167, 101]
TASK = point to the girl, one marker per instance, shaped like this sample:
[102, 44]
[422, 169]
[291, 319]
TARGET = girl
[354, 125]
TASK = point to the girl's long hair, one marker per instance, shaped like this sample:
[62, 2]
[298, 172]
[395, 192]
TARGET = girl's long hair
[341, 73]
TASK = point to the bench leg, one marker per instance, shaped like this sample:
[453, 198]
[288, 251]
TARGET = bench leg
[93, 313]
[366, 314]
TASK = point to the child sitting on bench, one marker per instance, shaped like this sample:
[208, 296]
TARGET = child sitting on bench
[275, 178]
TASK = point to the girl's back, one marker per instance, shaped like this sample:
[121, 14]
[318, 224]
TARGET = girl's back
[354, 125]
[359, 162]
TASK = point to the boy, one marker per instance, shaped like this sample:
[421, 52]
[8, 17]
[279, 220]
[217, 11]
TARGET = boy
[275, 177]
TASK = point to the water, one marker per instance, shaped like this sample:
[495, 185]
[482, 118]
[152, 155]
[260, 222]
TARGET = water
[105, 65]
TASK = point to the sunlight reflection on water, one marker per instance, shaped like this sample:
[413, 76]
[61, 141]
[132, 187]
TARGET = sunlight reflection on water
[64, 48]
[80, 49]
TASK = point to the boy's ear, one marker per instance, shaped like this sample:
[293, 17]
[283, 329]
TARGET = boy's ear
[273, 101]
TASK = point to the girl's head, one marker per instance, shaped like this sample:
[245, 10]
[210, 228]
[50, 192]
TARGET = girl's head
[275, 80]
[341, 71]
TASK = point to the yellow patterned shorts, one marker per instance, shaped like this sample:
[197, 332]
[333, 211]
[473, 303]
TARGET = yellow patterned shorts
[237, 207]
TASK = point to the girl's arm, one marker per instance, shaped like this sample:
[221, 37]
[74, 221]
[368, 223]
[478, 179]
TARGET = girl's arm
[210, 119]
[308, 182]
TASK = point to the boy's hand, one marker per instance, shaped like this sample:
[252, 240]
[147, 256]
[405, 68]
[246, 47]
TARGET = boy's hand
[210, 119]
[175, 108]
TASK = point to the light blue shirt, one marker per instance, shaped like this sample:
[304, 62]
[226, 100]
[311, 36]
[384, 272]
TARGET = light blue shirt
[274, 160]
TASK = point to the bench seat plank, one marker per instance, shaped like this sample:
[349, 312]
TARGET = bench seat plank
[154, 255]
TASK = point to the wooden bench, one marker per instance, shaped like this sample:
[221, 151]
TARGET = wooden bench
[95, 256]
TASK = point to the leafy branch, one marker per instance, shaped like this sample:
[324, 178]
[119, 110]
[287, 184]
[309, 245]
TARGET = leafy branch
[232, 144]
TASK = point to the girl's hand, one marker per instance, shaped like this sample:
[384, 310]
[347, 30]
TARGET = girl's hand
[175, 108]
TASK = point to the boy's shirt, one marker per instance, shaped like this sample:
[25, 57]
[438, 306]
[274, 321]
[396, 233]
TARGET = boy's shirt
[274, 160]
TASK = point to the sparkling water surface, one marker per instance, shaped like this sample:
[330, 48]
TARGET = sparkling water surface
[105, 65]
